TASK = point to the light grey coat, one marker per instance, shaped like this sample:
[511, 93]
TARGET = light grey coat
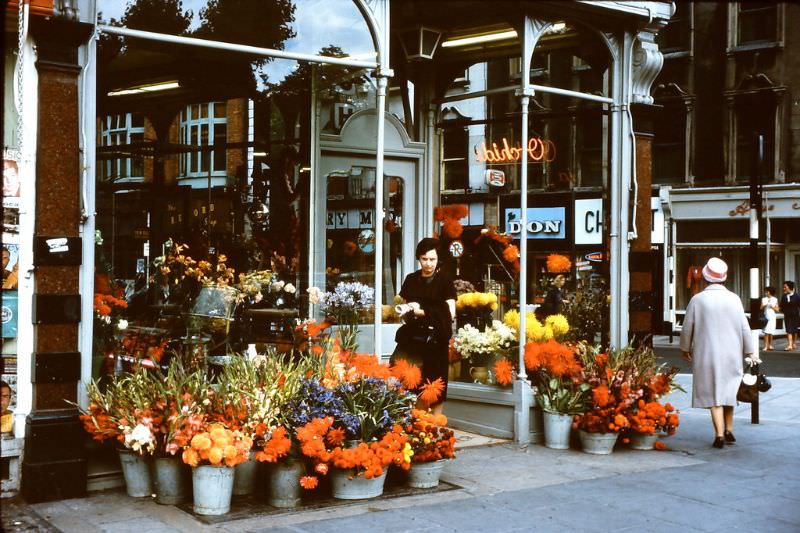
[718, 336]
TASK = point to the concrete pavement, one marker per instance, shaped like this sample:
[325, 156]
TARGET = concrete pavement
[752, 486]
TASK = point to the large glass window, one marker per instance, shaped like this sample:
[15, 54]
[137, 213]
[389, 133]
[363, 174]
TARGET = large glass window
[122, 134]
[757, 22]
[204, 126]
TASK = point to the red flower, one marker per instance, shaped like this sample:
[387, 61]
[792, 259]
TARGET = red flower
[432, 391]
[504, 372]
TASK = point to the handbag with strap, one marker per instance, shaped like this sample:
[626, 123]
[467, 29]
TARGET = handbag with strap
[753, 382]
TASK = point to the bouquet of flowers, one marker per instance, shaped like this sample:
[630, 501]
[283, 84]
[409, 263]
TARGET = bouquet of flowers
[478, 346]
[430, 438]
[108, 322]
[218, 446]
[266, 288]
[554, 327]
[344, 305]
[556, 372]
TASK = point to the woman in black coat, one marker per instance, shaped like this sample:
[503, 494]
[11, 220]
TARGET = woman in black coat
[430, 297]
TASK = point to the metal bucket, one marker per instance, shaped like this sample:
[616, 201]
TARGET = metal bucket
[244, 479]
[284, 483]
[212, 487]
[557, 428]
[346, 485]
[598, 443]
[425, 475]
[171, 480]
[643, 441]
[136, 469]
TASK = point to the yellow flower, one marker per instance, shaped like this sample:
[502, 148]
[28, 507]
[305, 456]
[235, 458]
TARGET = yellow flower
[407, 453]
[558, 323]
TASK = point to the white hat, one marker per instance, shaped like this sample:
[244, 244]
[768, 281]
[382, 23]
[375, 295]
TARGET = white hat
[715, 271]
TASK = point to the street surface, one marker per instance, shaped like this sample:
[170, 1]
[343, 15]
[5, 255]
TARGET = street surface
[752, 486]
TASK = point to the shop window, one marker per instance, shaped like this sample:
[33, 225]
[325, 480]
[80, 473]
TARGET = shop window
[755, 25]
[590, 147]
[121, 135]
[350, 230]
[204, 127]
[669, 145]
[676, 38]
[455, 163]
[749, 122]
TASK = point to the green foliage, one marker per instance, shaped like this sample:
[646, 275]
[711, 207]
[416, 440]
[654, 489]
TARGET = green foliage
[587, 313]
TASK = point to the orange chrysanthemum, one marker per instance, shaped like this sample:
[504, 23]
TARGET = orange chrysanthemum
[309, 482]
[431, 391]
[557, 263]
[504, 372]
[601, 396]
[660, 445]
[533, 356]
[409, 374]
[335, 436]
[452, 228]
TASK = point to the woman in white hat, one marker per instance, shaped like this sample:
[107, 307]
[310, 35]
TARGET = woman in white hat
[715, 338]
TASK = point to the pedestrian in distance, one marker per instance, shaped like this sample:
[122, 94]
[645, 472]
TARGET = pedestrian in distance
[769, 306]
[555, 299]
[715, 338]
[790, 306]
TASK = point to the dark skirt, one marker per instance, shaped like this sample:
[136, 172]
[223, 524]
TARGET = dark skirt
[431, 358]
[791, 324]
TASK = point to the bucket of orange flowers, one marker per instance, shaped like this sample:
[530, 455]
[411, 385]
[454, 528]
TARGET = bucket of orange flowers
[432, 444]
[608, 375]
[213, 454]
[124, 412]
[556, 372]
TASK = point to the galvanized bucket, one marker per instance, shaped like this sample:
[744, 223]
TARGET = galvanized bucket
[284, 483]
[136, 469]
[643, 441]
[598, 443]
[346, 485]
[425, 475]
[557, 428]
[171, 480]
[212, 487]
[244, 480]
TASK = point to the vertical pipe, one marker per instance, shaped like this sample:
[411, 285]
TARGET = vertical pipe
[381, 104]
[755, 210]
[523, 235]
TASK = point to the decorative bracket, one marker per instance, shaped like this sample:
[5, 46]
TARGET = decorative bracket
[647, 62]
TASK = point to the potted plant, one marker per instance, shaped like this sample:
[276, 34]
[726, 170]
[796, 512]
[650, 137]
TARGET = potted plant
[345, 305]
[556, 373]
[480, 347]
[432, 444]
[213, 454]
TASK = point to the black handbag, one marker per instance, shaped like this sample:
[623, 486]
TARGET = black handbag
[417, 332]
[753, 382]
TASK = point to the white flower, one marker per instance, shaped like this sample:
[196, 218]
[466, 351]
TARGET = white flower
[122, 324]
[277, 286]
[139, 438]
[258, 297]
[315, 295]
[290, 288]
[107, 319]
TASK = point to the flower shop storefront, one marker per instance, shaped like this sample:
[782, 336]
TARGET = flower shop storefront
[250, 178]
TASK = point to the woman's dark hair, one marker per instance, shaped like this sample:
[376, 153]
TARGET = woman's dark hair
[789, 284]
[426, 245]
[770, 290]
[4, 385]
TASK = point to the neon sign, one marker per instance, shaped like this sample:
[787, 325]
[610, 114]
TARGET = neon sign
[539, 151]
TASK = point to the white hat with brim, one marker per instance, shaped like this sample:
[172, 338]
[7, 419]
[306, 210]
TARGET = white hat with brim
[715, 271]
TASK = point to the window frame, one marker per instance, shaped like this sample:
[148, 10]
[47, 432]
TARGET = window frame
[188, 126]
[107, 134]
[672, 53]
[735, 45]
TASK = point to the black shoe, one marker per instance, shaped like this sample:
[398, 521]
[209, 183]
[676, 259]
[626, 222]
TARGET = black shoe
[719, 442]
[729, 438]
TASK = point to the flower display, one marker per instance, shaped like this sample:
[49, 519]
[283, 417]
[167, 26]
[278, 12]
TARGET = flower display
[344, 305]
[218, 446]
[558, 264]
[556, 372]
[479, 301]
[475, 345]
[555, 326]
[450, 217]
[429, 438]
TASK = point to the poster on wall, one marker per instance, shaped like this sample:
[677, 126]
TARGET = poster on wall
[10, 201]
[10, 266]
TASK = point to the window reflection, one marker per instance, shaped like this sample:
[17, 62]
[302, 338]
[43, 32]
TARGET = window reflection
[350, 230]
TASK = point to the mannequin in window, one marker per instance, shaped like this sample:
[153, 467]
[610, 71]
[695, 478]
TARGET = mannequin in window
[694, 279]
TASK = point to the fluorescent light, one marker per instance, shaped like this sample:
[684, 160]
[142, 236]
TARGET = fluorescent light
[259, 154]
[149, 88]
[489, 37]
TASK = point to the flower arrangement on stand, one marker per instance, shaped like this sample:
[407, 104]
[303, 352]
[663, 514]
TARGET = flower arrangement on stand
[480, 347]
[344, 305]
[432, 444]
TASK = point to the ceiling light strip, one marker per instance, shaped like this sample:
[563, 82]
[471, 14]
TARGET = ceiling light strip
[479, 39]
